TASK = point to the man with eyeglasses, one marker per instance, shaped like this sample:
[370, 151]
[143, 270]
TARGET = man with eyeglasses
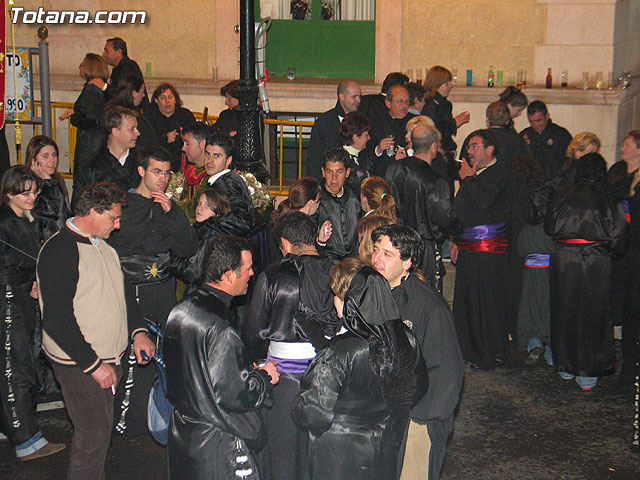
[388, 129]
[482, 205]
[153, 229]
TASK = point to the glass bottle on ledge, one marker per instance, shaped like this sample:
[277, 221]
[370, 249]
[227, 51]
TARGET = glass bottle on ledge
[564, 80]
[491, 77]
[549, 81]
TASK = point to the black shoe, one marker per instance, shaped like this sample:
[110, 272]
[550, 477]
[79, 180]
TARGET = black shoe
[534, 355]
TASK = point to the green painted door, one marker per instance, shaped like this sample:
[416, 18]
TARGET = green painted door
[321, 48]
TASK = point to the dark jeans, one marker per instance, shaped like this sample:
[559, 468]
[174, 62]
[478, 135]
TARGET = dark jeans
[91, 411]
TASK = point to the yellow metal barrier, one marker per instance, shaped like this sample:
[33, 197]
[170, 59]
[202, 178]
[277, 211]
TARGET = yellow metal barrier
[280, 189]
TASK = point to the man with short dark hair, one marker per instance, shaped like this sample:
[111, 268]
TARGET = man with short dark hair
[416, 97]
[153, 228]
[396, 256]
[388, 130]
[216, 427]
[483, 206]
[338, 204]
[325, 133]
[547, 141]
[115, 53]
[291, 316]
[194, 140]
[87, 311]
[423, 200]
[116, 160]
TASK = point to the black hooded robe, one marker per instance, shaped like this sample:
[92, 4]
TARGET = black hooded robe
[216, 392]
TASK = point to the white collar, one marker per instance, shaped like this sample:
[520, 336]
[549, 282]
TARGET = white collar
[491, 164]
[215, 177]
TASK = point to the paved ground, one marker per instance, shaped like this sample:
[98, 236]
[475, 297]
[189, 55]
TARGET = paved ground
[515, 422]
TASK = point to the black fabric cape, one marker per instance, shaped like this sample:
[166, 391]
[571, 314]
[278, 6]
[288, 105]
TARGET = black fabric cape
[216, 392]
[549, 147]
[423, 202]
[146, 237]
[579, 276]
[242, 217]
[439, 110]
[102, 166]
[348, 409]
[86, 118]
[373, 105]
[51, 207]
[479, 304]
[125, 67]
[431, 322]
[19, 327]
[325, 134]
[344, 213]
[381, 127]
[291, 302]
[181, 117]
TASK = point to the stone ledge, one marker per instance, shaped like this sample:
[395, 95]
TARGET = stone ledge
[326, 89]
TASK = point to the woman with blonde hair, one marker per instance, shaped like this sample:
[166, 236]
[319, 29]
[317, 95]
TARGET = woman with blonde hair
[583, 143]
[376, 198]
[85, 114]
[365, 228]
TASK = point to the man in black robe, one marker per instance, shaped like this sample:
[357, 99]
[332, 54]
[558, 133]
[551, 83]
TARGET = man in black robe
[115, 53]
[423, 200]
[396, 255]
[547, 141]
[338, 204]
[388, 130]
[216, 427]
[325, 133]
[116, 161]
[153, 228]
[291, 315]
[373, 105]
[482, 205]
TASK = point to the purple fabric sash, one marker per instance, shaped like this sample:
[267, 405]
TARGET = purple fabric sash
[291, 365]
[625, 209]
[483, 232]
[537, 260]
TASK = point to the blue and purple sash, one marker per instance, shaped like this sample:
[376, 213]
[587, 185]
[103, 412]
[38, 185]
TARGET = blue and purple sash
[291, 365]
[484, 238]
[625, 209]
[537, 260]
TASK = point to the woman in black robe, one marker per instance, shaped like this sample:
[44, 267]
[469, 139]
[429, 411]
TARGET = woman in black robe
[356, 394]
[52, 205]
[132, 93]
[85, 114]
[212, 220]
[168, 116]
[19, 246]
[587, 225]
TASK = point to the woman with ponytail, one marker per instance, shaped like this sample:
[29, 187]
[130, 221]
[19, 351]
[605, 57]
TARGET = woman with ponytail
[376, 198]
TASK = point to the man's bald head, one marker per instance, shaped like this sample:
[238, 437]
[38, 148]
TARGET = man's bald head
[423, 137]
[349, 93]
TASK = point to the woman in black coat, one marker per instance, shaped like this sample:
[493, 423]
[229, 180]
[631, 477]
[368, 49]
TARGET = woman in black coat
[132, 93]
[168, 116]
[52, 205]
[356, 394]
[85, 114]
[18, 311]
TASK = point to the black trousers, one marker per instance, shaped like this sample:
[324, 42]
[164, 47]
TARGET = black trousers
[18, 363]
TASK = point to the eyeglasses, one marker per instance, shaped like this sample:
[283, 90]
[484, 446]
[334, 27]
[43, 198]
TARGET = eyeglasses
[475, 146]
[401, 102]
[115, 218]
[35, 193]
[161, 173]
